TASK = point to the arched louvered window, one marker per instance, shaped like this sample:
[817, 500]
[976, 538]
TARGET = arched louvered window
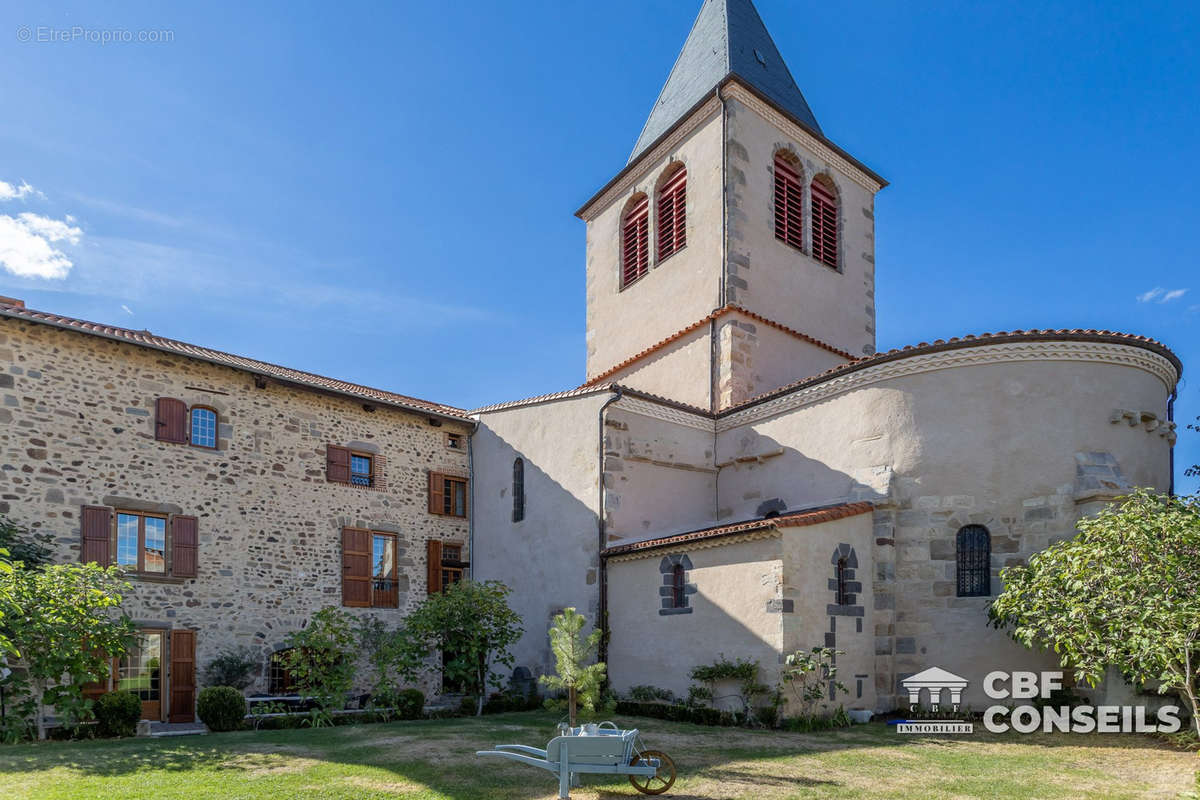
[672, 214]
[635, 240]
[843, 593]
[518, 490]
[678, 584]
[789, 217]
[824, 222]
[974, 550]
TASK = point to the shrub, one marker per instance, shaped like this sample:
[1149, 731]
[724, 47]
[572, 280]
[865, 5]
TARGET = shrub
[232, 667]
[651, 694]
[221, 708]
[117, 713]
[410, 704]
[698, 715]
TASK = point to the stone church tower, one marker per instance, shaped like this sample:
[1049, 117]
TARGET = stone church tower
[760, 299]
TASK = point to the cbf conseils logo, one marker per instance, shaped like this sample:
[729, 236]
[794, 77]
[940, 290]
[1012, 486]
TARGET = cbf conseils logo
[934, 681]
[941, 687]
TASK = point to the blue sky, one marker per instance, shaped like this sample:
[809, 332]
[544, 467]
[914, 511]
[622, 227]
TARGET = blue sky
[385, 193]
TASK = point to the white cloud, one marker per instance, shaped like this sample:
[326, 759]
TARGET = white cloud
[1161, 295]
[10, 192]
[127, 309]
[27, 245]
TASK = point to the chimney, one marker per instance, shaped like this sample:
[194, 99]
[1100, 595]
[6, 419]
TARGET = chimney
[11, 301]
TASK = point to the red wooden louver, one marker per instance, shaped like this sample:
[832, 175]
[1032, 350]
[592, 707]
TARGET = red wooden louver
[635, 242]
[672, 215]
[824, 225]
[789, 217]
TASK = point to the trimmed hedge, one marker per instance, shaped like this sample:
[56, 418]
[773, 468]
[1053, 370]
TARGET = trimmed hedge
[221, 708]
[117, 713]
[678, 713]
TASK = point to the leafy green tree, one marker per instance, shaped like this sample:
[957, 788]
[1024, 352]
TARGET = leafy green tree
[66, 625]
[473, 627]
[1122, 593]
[23, 545]
[581, 680]
[390, 660]
[807, 676]
[321, 660]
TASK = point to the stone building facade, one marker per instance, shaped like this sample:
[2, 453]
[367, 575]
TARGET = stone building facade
[78, 430]
[740, 474]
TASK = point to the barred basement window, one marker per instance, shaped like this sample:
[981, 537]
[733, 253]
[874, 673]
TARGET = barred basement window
[824, 222]
[672, 214]
[974, 550]
[279, 679]
[518, 490]
[635, 240]
[789, 216]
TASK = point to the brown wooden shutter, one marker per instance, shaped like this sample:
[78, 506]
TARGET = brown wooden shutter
[184, 541]
[170, 420]
[183, 676]
[378, 478]
[356, 567]
[337, 463]
[433, 553]
[824, 224]
[96, 527]
[437, 493]
[93, 689]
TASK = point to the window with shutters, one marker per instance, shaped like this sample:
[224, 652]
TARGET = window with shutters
[147, 544]
[635, 240]
[343, 465]
[973, 546]
[672, 214]
[446, 566]
[447, 495]
[176, 423]
[455, 441]
[518, 490]
[824, 222]
[789, 202]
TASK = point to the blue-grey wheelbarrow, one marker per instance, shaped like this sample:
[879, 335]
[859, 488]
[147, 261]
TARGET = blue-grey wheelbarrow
[608, 752]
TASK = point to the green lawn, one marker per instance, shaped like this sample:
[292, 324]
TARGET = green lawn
[435, 759]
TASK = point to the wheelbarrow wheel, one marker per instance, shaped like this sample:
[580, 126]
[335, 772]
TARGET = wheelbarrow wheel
[661, 780]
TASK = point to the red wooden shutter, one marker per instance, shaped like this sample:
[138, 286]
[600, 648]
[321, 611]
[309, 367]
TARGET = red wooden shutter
[183, 676]
[184, 541]
[824, 225]
[433, 571]
[635, 242]
[788, 204]
[337, 463]
[672, 215]
[170, 420]
[96, 527]
[437, 493]
[356, 567]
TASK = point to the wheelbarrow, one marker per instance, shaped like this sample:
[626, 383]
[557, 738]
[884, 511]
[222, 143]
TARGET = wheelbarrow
[609, 751]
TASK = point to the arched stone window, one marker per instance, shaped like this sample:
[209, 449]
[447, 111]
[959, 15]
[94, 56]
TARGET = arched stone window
[671, 208]
[675, 590]
[518, 490]
[678, 583]
[824, 221]
[789, 200]
[843, 590]
[973, 547]
[635, 239]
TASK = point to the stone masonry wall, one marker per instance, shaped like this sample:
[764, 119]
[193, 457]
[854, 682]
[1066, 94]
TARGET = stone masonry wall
[77, 428]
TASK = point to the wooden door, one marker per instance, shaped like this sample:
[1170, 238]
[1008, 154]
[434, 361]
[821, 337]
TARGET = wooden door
[182, 676]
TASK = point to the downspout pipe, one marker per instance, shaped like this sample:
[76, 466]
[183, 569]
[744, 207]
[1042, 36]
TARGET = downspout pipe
[1171, 418]
[471, 500]
[602, 652]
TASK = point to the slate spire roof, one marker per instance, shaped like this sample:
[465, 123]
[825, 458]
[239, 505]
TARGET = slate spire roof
[728, 38]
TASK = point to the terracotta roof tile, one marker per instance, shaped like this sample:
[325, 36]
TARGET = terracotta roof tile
[728, 309]
[810, 516]
[970, 340]
[284, 374]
